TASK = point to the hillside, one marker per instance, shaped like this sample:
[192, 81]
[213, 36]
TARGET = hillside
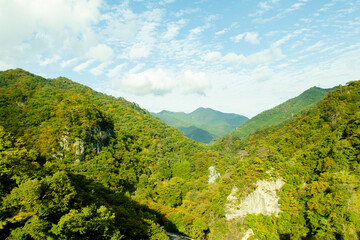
[68, 152]
[203, 124]
[78, 164]
[282, 112]
[317, 156]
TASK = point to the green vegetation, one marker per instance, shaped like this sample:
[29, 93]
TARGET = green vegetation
[203, 124]
[196, 134]
[77, 164]
[282, 112]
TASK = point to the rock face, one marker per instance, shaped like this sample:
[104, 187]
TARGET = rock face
[96, 139]
[213, 174]
[79, 150]
[261, 201]
[248, 234]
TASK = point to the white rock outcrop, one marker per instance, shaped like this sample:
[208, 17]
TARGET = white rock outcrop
[263, 200]
[248, 234]
[213, 174]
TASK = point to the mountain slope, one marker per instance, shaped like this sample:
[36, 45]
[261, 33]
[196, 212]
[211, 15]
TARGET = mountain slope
[282, 112]
[313, 161]
[197, 134]
[72, 159]
[77, 164]
[213, 124]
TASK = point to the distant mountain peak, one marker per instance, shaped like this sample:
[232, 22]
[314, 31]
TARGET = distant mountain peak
[203, 124]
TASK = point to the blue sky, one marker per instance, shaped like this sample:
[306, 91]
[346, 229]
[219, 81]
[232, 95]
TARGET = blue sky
[240, 56]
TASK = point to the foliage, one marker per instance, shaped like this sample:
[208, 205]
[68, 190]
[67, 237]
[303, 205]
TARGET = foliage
[77, 164]
[277, 115]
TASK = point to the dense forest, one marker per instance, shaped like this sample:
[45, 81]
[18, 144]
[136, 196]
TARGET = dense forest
[78, 164]
[280, 113]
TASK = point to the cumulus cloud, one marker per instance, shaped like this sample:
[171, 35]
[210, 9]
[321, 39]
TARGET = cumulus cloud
[152, 81]
[250, 37]
[211, 56]
[58, 22]
[232, 58]
[195, 82]
[101, 52]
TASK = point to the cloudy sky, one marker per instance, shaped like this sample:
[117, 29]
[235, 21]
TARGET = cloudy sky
[240, 56]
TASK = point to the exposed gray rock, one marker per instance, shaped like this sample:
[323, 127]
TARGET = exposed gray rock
[248, 234]
[213, 174]
[97, 138]
[263, 200]
[79, 150]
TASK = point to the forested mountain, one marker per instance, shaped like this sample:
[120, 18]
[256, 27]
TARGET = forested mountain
[282, 112]
[203, 124]
[78, 164]
[72, 158]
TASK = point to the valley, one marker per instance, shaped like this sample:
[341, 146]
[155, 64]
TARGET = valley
[79, 164]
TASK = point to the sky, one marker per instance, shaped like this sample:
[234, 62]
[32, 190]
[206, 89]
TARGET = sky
[235, 56]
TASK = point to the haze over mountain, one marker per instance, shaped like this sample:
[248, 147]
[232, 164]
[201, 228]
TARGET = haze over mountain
[79, 164]
[203, 124]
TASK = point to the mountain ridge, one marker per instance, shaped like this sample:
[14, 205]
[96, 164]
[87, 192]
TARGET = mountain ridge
[282, 112]
[212, 123]
[78, 164]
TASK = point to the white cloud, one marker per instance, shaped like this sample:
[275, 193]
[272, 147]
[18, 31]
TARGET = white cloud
[266, 56]
[211, 56]
[101, 52]
[100, 69]
[250, 37]
[83, 65]
[69, 62]
[316, 45]
[173, 29]
[164, 2]
[195, 82]
[116, 71]
[136, 52]
[283, 40]
[295, 6]
[233, 58]
[263, 7]
[51, 24]
[196, 30]
[183, 12]
[238, 37]
[262, 73]
[137, 68]
[50, 60]
[151, 81]
[221, 32]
